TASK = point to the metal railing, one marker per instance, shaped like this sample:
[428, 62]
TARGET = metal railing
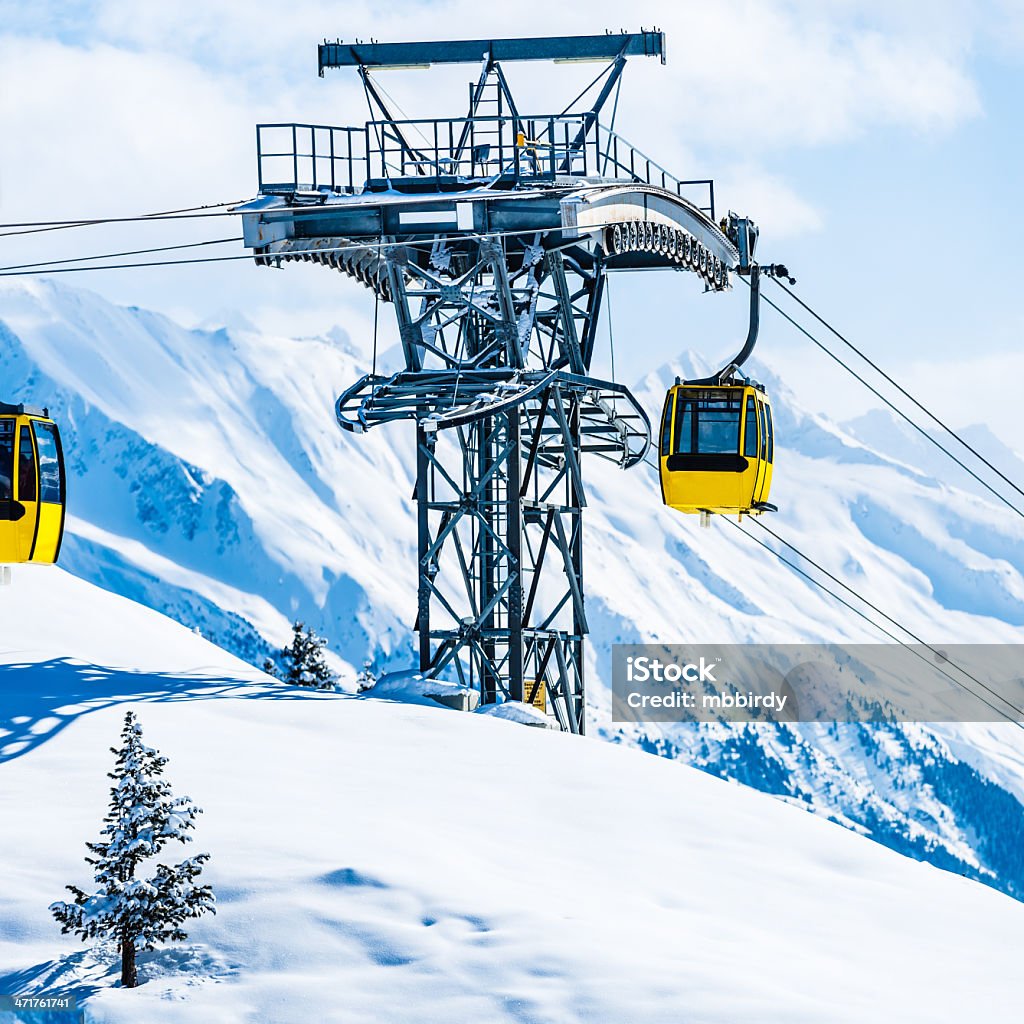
[310, 158]
[494, 146]
[306, 157]
[621, 156]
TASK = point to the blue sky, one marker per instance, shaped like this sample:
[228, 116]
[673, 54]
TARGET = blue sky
[879, 145]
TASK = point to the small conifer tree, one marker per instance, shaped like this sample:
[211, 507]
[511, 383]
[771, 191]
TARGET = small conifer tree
[303, 660]
[144, 816]
[366, 678]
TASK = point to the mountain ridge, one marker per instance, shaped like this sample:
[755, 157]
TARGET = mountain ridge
[210, 481]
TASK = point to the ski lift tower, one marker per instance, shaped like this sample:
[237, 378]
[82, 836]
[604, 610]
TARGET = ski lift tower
[489, 235]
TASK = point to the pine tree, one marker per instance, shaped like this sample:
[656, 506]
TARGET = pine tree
[143, 817]
[303, 661]
[366, 678]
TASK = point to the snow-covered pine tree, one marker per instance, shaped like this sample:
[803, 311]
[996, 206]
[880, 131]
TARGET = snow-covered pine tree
[143, 817]
[366, 678]
[303, 661]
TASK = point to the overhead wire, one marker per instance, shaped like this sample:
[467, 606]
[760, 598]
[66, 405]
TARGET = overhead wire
[885, 615]
[296, 213]
[895, 408]
[116, 255]
[33, 227]
[604, 71]
[875, 625]
[131, 266]
[565, 110]
[202, 213]
[899, 387]
[882, 629]
[917, 427]
[835, 579]
[408, 120]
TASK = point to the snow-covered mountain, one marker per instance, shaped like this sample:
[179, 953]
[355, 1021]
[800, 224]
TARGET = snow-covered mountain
[388, 864]
[208, 481]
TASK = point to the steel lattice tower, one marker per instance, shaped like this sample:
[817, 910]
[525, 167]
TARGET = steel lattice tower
[491, 241]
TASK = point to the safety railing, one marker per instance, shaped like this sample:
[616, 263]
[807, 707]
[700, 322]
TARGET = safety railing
[623, 159]
[492, 146]
[305, 157]
[310, 158]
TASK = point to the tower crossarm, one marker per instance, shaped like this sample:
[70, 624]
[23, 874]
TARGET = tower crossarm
[612, 423]
[634, 225]
[607, 46]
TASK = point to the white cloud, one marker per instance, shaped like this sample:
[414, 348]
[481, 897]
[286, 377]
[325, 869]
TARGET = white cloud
[780, 213]
[963, 389]
[750, 72]
[104, 128]
[763, 72]
[132, 107]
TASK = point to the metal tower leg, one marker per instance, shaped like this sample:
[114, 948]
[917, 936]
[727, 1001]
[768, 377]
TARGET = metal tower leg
[500, 556]
[498, 347]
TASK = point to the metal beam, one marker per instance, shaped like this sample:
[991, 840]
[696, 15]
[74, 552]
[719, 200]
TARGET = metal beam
[472, 51]
[409, 333]
[594, 113]
[424, 575]
[570, 343]
[514, 524]
[371, 93]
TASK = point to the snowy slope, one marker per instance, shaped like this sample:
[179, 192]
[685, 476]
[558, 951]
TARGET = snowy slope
[946, 563]
[387, 863]
[210, 482]
[216, 453]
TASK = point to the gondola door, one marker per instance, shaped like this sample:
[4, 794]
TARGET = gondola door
[27, 494]
[9, 509]
[51, 491]
[762, 449]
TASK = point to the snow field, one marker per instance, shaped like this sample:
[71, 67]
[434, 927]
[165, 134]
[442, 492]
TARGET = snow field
[384, 862]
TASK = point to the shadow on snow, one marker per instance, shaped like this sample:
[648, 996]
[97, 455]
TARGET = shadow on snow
[39, 699]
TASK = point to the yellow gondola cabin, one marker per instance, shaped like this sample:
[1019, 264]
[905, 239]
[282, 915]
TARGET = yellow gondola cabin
[31, 486]
[717, 448]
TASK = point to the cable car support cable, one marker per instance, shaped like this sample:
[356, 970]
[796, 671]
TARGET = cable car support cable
[882, 629]
[32, 227]
[351, 247]
[903, 391]
[899, 412]
[885, 615]
[117, 255]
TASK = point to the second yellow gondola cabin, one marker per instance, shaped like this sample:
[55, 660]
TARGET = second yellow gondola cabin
[31, 486]
[717, 448]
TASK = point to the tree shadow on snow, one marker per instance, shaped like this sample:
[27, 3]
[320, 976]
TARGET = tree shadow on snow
[84, 973]
[39, 699]
[80, 974]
